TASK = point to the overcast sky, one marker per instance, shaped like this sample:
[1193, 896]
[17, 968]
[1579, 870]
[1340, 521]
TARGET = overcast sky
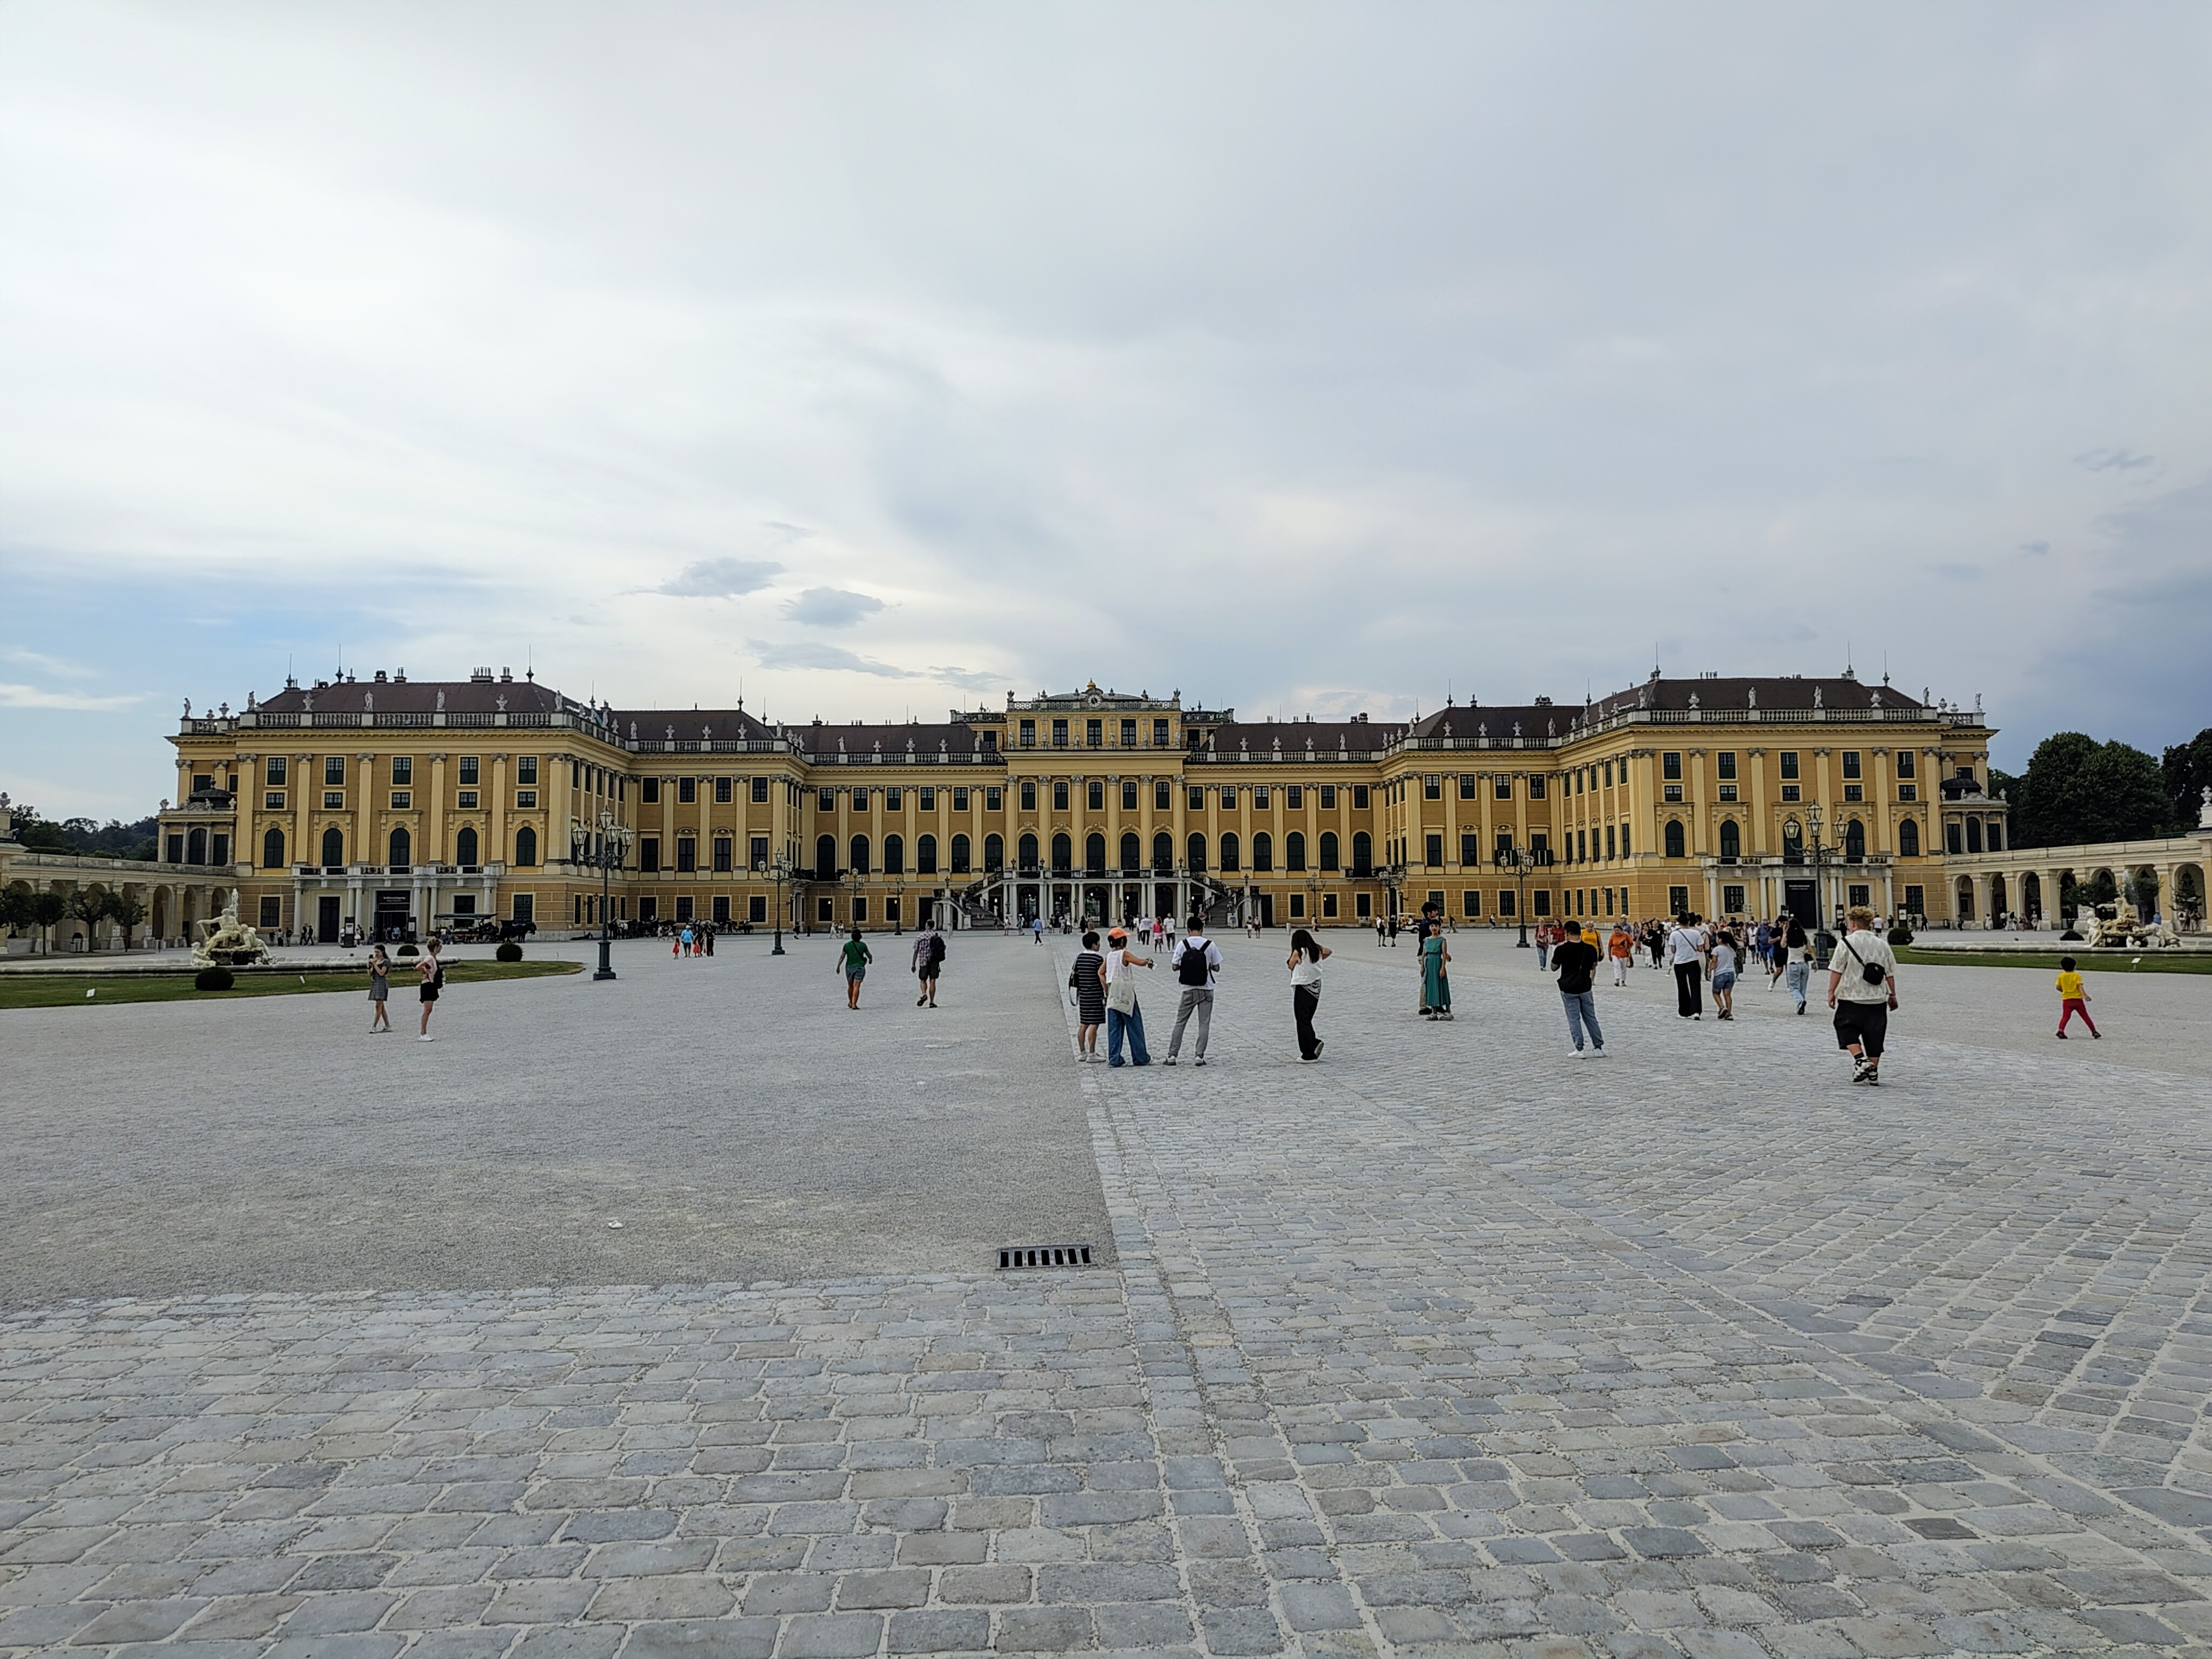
[1303, 359]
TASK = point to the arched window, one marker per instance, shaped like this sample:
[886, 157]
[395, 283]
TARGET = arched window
[1973, 835]
[525, 847]
[402, 849]
[196, 846]
[1094, 853]
[465, 848]
[1162, 853]
[1294, 851]
[925, 855]
[1329, 860]
[994, 851]
[1731, 840]
[1229, 853]
[1063, 853]
[1855, 840]
[1263, 851]
[960, 855]
[272, 849]
[859, 855]
[333, 848]
[825, 858]
[1132, 853]
[1026, 849]
[1908, 839]
[894, 856]
[1196, 850]
[1362, 852]
[1674, 838]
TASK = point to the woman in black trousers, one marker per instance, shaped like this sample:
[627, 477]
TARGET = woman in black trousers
[1305, 963]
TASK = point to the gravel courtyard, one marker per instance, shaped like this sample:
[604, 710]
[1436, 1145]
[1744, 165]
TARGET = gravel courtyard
[319, 1343]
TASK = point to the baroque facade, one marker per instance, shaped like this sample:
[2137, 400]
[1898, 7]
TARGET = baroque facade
[391, 802]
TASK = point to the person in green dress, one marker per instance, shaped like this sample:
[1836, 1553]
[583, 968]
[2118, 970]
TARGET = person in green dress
[1436, 975]
[854, 959]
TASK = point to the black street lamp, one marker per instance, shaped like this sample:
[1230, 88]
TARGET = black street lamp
[780, 873]
[609, 850]
[1521, 860]
[898, 907]
[1824, 942]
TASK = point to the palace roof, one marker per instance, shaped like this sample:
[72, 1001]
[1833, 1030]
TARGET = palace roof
[827, 741]
[690, 725]
[1327, 738]
[481, 696]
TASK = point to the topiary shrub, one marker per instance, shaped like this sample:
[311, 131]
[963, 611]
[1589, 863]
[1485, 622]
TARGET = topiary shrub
[409, 950]
[1899, 936]
[214, 979]
[509, 951]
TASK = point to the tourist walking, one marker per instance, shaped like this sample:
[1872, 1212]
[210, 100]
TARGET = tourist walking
[1543, 946]
[380, 988]
[1575, 964]
[1305, 963]
[1435, 973]
[1685, 950]
[1621, 947]
[1724, 972]
[1087, 980]
[1123, 1016]
[1197, 965]
[928, 963]
[433, 975]
[1862, 989]
[1793, 950]
[853, 960]
[1036, 927]
[2074, 999]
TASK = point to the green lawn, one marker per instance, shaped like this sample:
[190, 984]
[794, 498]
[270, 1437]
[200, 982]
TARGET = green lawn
[68, 990]
[2093, 962]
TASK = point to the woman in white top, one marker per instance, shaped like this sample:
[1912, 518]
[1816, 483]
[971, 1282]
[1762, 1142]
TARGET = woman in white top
[1305, 963]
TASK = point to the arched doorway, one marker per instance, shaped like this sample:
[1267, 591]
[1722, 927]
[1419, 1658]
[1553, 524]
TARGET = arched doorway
[2031, 897]
[1965, 899]
[1998, 908]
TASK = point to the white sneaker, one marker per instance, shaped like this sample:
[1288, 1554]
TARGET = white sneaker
[426, 1037]
[1574, 1053]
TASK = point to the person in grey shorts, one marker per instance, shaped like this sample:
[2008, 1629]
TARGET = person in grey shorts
[1196, 964]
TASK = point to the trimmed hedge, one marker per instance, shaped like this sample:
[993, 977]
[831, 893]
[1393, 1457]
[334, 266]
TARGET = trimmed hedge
[1901, 936]
[217, 978]
[408, 950]
[508, 952]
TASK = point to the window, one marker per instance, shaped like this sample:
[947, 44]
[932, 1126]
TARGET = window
[1724, 765]
[1608, 840]
[1791, 790]
[756, 853]
[929, 793]
[1129, 735]
[334, 800]
[1298, 906]
[1675, 847]
[1360, 797]
[277, 766]
[1731, 843]
[860, 799]
[1060, 794]
[1973, 835]
[726, 853]
[1670, 766]
[1467, 781]
[1294, 851]
[1850, 763]
[1788, 763]
[1470, 904]
[1329, 853]
[525, 768]
[1432, 787]
[272, 911]
[1328, 797]
[1197, 802]
[1908, 841]
[1916, 900]
[894, 856]
[1029, 794]
[1162, 797]
[1195, 853]
[1059, 734]
[1063, 853]
[825, 858]
[1162, 853]
[1470, 849]
[1160, 732]
[725, 790]
[1608, 773]
[1501, 788]
[860, 849]
[1908, 792]
[826, 910]
[1539, 901]
[1955, 837]
[1260, 798]
[1094, 733]
[1996, 834]
[1263, 853]
[721, 910]
[525, 798]
[1855, 842]
[1230, 854]
[1858, 893]
[960, 855]
[994, 851]
[648, 854]
[925, 855]
[1854, 792]
[465, 849]
[756, 909]
[826, 801]
[1029, 734]
[464, 798]
[648, 791]
[1362, 852]
[994, 799]
[1328, 906]
[1905, 765]
[272, 849]
[892, 800]
[683, 907]
[960, 799]
[1298, 797]
[1536, 786]
[760, 791]
[1505, 901]
[402, 850]
[272, 800]
[1732, 899]
[468, 767]
[1539, 843]
[1433, 846]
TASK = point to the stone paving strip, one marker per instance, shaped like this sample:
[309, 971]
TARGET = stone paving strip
[1441, 1347]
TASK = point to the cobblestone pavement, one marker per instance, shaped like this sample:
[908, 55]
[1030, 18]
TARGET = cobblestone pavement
[1445, 1346]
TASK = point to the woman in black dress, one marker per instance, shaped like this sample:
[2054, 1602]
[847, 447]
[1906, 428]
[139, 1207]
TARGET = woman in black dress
[1089, 998]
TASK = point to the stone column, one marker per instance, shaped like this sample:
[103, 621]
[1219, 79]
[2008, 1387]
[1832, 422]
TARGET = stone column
[365, 851]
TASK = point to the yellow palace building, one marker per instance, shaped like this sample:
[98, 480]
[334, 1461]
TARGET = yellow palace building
[397, 803]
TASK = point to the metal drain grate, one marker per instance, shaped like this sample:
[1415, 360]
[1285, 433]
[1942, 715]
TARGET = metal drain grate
[1043, 1255]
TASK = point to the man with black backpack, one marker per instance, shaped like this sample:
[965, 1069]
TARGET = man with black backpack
[1197, 960]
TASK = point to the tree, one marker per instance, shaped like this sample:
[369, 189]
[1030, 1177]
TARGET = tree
[2076, 789]
[126, 912]
[15, 907]
[89, 906]
[2188, 769]
[46, 910]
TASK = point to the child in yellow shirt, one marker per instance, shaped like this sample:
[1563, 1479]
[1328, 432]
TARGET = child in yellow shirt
[2073, 1000]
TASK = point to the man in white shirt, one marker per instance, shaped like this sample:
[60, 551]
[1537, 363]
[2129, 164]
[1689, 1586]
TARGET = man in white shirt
[1862, 989]
[1197, 964]
[1686, 952]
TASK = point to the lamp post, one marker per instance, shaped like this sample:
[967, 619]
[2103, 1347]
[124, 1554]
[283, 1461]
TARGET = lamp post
[898, 907]
[1521, 860]
[780, 873]
[1313, 904]
[854, 879]
[609, 850]
[1824, 942]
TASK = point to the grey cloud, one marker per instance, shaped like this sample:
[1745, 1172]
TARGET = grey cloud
[2113, 460]
[721, 579]
[831, 607]
[812, 653]
[2037, 547]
